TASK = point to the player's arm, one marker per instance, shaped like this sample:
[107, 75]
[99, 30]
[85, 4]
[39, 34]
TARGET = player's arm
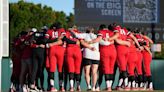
[135, 40]
[149, 39]
[68, 41]
[98, 39]
[58, 42]
[147, 49]
[62, 35]
[121, 42]
[33, 42]
[86, 45]
[115, 36]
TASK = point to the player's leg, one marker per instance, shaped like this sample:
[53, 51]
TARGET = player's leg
[41, 57]
[47, 62]
[34, 70]
[132, 58]
[139, 70]
[95, 64]
[100, 77]
[66, 73]
[53, 62]
[22, 86]
[147, 62]
[71, 66]
[112, 61]
[106, 71]
[60, 60]
[121, 60]
[87, 66]
[78, 60]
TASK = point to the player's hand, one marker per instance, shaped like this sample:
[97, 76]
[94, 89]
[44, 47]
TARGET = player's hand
[109, 39]
[90, 42]
[78, 42]
[150, 53]
[42, 46]
[104, 39]
[141, 48]
[128, 44]
[50, 44]
[92, 48]
[61, 36]
[22, 40]
[33, 41]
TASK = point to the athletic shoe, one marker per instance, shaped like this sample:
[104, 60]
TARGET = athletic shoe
[62, 89]
[53, 89]
[89, 89]
[24, 88]
[108, 89]
[149, 89]
[97, 89]
[127, 89]
[134, 89]
[28, 89]
[78, 88]
[34, 90]
[41, 89]
[119, 88]
[71, 89]
[12, 90]
[93, 89]
[141, 88]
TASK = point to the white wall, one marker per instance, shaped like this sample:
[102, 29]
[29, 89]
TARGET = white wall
[4, 32]
[5, 25]
[1, 39]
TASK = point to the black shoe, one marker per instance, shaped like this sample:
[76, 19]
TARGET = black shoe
[89, 89]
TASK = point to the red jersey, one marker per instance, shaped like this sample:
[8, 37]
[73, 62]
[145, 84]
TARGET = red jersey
[139, 37]
[132, 47]
[53, 34]
[123, 32]
[71, 36]
[105, 33]
[147, 41]
[27, 50]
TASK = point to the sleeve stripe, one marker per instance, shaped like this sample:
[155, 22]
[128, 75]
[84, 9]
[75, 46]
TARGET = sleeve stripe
[99, 34]
[47, 35]
[128, 33]
[63, 33]
[115, 31]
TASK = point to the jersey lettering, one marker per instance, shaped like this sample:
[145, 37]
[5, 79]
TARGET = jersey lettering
[122, 32]
[107, 35]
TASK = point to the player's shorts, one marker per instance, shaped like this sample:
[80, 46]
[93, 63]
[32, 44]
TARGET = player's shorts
[90, 62]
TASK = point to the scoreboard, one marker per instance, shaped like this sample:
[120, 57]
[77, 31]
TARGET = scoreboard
[144, 14]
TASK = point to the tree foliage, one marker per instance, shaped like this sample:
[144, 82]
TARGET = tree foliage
[25, 15]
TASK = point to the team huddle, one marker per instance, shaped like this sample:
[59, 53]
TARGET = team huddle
[72, 51]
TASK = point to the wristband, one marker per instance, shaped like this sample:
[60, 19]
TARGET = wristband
[47, 45]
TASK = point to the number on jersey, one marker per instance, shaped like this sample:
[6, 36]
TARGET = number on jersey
[54, 34]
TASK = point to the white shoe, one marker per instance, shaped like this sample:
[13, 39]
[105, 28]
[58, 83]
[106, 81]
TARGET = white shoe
[34, 90]
[145, 85]
[93, 89]
[97, 89]
[78, 88]
[25, 88]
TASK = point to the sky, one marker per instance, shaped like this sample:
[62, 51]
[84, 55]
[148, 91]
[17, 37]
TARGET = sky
[57, 5]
